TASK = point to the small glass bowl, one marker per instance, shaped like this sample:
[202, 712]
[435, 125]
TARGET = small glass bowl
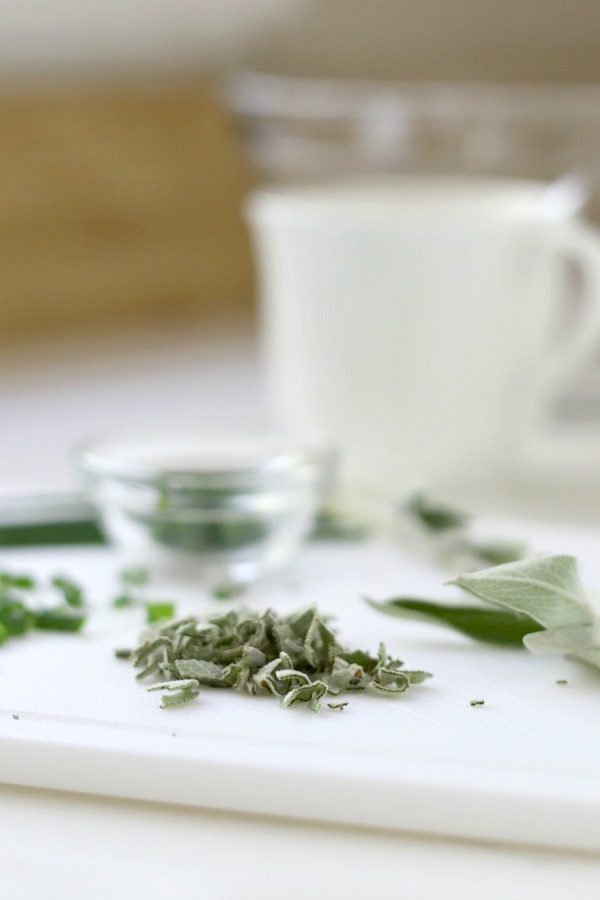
[229, 505]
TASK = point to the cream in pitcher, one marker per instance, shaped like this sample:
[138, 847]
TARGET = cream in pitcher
[411, 320]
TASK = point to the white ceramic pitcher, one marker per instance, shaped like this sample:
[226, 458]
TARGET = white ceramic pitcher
[414, 321]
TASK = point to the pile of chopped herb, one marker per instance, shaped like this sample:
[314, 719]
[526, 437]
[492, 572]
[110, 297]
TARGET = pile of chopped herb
[296, 658]
[18, 616]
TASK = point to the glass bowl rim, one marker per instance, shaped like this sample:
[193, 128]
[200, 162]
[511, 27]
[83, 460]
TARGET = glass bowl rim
[307, 459]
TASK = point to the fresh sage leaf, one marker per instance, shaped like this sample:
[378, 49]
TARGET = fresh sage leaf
[449, 537]
[547, 588]
[543, 606]
[433, 516]
[569, 639]
[494, 626]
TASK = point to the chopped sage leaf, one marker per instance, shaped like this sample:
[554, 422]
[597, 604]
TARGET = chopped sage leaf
[561, 681]
[182, 692]
[340, 706]
[296, 658]
[477, 702]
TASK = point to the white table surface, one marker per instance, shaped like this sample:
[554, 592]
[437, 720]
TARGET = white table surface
[57, 846]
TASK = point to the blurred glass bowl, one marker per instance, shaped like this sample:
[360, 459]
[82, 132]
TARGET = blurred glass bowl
[298, 129]
[227, 505]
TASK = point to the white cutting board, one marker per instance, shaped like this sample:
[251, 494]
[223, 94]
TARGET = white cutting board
[523, 768]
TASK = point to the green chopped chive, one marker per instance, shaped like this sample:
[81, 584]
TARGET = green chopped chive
[136, 576]
[19, 581]
[71, 592]
[58, 619]
[51, 534]
[156, 610]
[14, 616]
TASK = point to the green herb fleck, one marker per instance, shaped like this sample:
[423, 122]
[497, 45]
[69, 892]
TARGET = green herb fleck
[72, 592]
[132, 581]
[156, 610]
[333, 525]
[137, 576]
[123, 601]
[340, 706]
[477, 702]
[561, 681]
[228, 590]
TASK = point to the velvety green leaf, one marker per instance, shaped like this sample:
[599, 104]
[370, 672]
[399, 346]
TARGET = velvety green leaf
[200, 670]
[547, 588]
[590, 655]
[434, 516]
[560, 640]
[490, 625]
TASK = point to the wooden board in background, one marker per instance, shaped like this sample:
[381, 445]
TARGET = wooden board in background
[119, 200]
